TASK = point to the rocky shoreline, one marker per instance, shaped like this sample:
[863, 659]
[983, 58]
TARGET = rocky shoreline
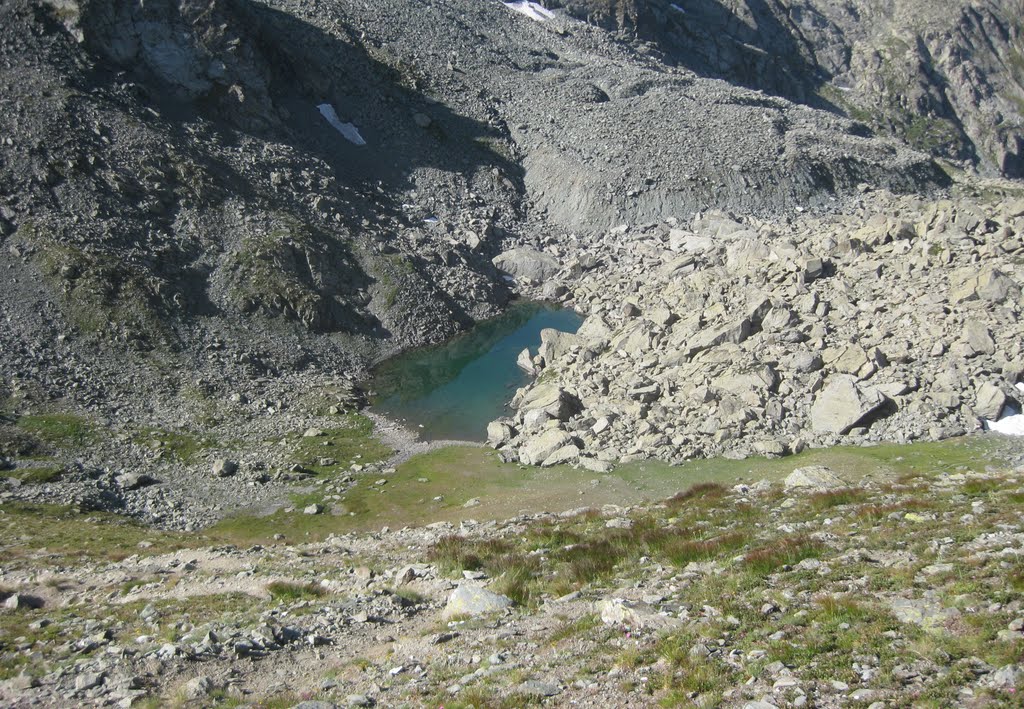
[894, 319]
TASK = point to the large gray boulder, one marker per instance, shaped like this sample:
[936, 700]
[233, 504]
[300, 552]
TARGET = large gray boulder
[499, 433]
[843, 404]
[990, 402]
[527, 264]
[990, 284]
[552, 399]
[540, 448]
[555, 343]
[813, 478]
[469, 600]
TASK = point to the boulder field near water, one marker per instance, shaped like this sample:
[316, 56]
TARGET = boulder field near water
[895, 319]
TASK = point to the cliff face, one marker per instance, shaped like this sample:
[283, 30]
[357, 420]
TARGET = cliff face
[946, 77]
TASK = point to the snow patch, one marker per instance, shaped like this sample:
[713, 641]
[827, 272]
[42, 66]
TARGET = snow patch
[349, 131]
[1011, 421]
[677, 8]
[531, 10]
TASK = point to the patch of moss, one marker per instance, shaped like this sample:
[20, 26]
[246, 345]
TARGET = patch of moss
[65, 431]
[183, 446]
[350, 442]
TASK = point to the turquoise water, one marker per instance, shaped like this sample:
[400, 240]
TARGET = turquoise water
[454, 389]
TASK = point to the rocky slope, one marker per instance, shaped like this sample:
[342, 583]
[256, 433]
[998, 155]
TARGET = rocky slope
[946, 77]
[897, 320]
[894, 590]
[171, 183]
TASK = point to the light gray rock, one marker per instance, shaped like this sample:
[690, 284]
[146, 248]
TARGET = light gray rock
[224, 468]
[990, 402]
[929, 614]
[813, 477]
[990, 285]
[528, 264]
[539, 448]
[499, 433]
[566, 455]
[134, 481]
[842, 405]
[525, 362]
[536, 688]
[551, 398]
[198, 688]
[977, 339]
[735, 332]
[554, 344]
[470, 600]
[634, 614]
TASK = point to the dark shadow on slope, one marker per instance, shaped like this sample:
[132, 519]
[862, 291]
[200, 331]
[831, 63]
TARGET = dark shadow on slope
[239, 71]
[710, 39]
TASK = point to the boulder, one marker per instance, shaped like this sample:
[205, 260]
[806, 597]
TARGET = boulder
[843, 404]
[527, 264]
[224, 468]
[538, 449]
[555, 343]
[535, 420]
[557, 402]
[563, 456]
[525, 362]
[733, 332]
[468, 600]
[595, 330]
[977, 340]
[990, 402]
[990, 285]
[617, 611]
[134, 481]
[814, 477]
[499, 433]
[926, 612]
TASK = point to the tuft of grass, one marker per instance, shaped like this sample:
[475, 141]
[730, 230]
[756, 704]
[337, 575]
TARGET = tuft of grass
[574, 628]
[782, 552]
[979, 487]
[291, 591]
[837, 498]
[698, 493]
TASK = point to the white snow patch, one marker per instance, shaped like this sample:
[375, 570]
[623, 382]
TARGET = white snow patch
[677, 8]
[349, 131]
[531, 10]
[1011, 421]
[1010, 426]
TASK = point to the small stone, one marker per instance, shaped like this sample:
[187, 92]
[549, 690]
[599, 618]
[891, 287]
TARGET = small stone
[224, 468]
[313, 509]
[88, 680]
[536, 688]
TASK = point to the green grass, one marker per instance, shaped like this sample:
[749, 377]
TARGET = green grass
[290, 591]
[65, 431]
[37, 474]
[782, 552]
[183, 446]
[836, 498]
[54, 534]
[350, 442]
